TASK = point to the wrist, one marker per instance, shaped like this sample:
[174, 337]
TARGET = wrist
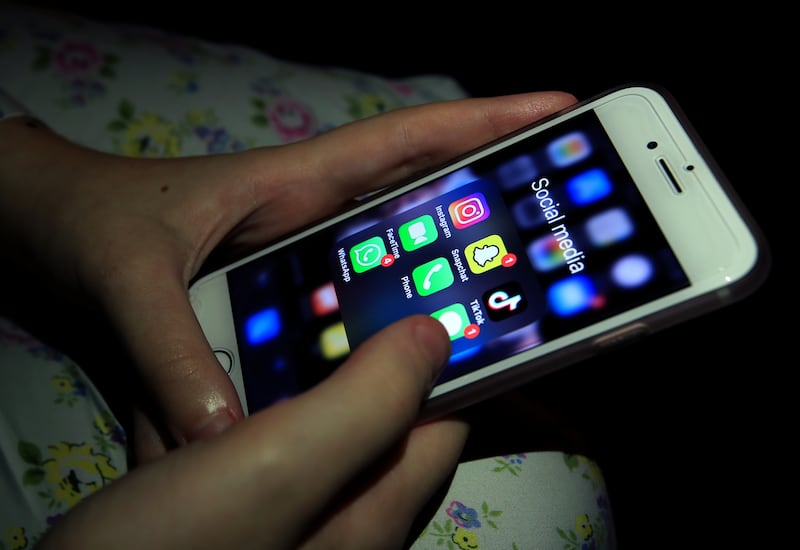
[38, 176]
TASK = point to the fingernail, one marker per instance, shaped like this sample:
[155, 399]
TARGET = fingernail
[213, 425]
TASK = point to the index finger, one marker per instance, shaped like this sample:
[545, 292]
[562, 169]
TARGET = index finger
[322, 174]
[352, 418]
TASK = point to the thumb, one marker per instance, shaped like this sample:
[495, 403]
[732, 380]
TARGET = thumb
[193, 395]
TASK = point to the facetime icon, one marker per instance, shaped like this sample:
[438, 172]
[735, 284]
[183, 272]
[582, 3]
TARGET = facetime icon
[417, 233]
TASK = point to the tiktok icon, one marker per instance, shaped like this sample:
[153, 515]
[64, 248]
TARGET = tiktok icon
[504, 301]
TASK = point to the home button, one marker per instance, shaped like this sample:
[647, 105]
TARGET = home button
[225, 359]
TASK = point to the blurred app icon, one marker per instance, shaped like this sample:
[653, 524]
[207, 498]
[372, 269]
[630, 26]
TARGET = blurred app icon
[632, 271]
[609, 227]
[323, 300]
[589, 186]
[417, 233]
[573, 295]
[333, 342]
[517, 172]
[569, 149]
[468, 210]
[545, 254]
[527, 213]
[262, 326]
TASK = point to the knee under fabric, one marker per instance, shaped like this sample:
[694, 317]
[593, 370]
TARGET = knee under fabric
[10, 107]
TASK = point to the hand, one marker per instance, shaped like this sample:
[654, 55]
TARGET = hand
[338, 465]
[129, 234]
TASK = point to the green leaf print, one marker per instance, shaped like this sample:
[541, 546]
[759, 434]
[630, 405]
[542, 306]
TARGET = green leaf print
[33, 476]
[42, 60]
[29, 452]
[116, 126]
[260, 120]
[571, 461]
[126, 109]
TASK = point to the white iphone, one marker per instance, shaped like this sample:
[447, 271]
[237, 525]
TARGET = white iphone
[602, 223]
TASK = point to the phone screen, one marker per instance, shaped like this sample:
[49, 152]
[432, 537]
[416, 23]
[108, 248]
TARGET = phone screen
[525, 245]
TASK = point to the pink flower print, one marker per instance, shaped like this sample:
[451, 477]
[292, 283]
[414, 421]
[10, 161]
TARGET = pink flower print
[75, 59]
[402, 88]
[292, 120]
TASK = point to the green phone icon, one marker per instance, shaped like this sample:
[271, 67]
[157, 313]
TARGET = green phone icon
[418, 232]
[432, 276]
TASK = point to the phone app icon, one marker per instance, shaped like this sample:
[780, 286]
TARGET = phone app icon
[488, 253]
[504, 301]
[468, 210]
[417, 233]
[589, 186]
[569, 149]
[455, 320]
[432, 276]
[367, 254]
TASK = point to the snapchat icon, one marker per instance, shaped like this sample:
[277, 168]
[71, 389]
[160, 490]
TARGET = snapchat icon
[486, 254]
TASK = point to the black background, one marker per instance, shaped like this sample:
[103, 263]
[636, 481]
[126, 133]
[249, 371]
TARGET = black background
[692, 427]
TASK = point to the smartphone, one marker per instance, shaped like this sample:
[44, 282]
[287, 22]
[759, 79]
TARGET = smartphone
[599, 224]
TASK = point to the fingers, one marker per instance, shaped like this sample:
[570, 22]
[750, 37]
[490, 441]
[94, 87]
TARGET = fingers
[192, 393]
[369, 402]
[321, 174]
[382, 150]
[148, 441]
[265, 482]
[293, 186]
[354, 417]
[394, 497]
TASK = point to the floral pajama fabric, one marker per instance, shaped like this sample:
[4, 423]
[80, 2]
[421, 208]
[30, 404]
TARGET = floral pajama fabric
[143, 92]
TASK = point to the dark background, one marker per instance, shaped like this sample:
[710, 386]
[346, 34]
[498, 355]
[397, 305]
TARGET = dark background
[692, 427]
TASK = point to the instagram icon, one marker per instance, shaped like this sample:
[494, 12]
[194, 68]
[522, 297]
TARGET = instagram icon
[468, 210]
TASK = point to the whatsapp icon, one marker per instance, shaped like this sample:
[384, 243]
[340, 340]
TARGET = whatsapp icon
[367, 254]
